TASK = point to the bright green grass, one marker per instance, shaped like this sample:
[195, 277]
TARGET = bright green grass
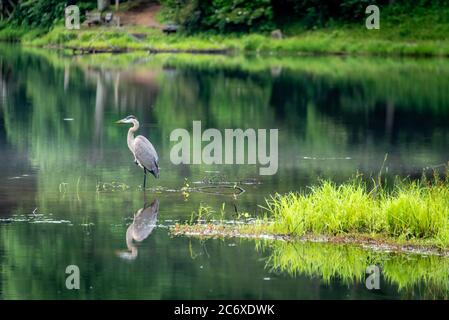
[412, 210]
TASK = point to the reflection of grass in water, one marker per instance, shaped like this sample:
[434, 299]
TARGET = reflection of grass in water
[324, 261]
[429, 274]
[375, 77]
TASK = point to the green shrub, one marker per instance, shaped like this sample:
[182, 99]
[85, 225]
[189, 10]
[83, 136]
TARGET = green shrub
[221, 15]
[44, 14]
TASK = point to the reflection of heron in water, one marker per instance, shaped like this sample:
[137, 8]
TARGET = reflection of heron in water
[144, 222]
[145, 156]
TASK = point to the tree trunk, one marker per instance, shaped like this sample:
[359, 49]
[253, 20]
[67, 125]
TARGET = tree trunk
[103, 4]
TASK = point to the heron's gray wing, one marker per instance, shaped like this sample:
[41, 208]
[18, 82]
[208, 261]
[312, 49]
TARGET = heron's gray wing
[145, 221]
[146, 155]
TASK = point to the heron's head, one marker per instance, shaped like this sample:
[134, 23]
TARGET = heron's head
[128, 119]
[126, 255]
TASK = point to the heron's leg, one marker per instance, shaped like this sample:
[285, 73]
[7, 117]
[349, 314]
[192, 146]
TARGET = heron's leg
[144, 177]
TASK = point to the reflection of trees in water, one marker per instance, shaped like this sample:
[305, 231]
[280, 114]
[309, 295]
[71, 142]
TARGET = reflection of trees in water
[129, 92]
[87, 96]
[17, 181]
[376, 115]
[40, 96]
[363, 103]
[362, 115]
[324, 116]
[3, 84]
[317, 115]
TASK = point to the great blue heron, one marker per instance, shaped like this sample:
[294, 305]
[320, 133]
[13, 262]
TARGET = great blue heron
[143, 224]
[145, 156]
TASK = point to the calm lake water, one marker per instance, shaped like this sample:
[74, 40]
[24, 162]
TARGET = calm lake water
[69, 189]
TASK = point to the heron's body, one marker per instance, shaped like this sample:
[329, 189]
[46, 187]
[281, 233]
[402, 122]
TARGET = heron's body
[144, 222]
[145, 155]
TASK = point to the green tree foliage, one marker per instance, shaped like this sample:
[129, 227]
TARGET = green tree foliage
[40, 13]
[311, 13]
[221, 15]
[240, 15]
[262, 15]
[233, 15]
[44, 13]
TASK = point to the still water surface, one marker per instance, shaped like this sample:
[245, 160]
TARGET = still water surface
[69, 190]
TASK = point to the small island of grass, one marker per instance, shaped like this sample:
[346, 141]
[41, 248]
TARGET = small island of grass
[410, 214]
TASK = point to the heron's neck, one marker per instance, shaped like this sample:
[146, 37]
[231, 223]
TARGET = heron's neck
[131, 134]
[129, 236]
[129, 241]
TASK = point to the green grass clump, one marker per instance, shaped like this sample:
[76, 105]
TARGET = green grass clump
[412, 210]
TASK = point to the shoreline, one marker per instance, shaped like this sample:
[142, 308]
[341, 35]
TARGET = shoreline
[232, 51]
[323, 42]
[100, 50]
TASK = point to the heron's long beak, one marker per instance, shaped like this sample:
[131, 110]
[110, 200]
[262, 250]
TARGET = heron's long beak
[120, 121]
